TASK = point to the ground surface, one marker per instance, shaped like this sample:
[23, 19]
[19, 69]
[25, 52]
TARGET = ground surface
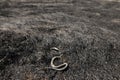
[87, 32]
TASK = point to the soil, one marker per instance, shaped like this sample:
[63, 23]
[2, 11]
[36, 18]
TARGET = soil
[86, 32]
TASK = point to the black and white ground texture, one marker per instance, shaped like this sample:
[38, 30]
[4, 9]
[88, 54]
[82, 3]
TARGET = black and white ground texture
[86, 32]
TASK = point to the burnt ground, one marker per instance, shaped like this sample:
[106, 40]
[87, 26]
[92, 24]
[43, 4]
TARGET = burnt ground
[87, 32]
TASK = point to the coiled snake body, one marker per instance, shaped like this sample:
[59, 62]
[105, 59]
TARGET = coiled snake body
[58, 67]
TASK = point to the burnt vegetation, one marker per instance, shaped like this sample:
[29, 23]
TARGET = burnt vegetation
[87, 32]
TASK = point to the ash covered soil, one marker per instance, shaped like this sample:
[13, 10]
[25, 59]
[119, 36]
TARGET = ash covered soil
[87, 33]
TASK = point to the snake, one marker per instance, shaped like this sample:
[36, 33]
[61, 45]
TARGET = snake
[58, 67]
